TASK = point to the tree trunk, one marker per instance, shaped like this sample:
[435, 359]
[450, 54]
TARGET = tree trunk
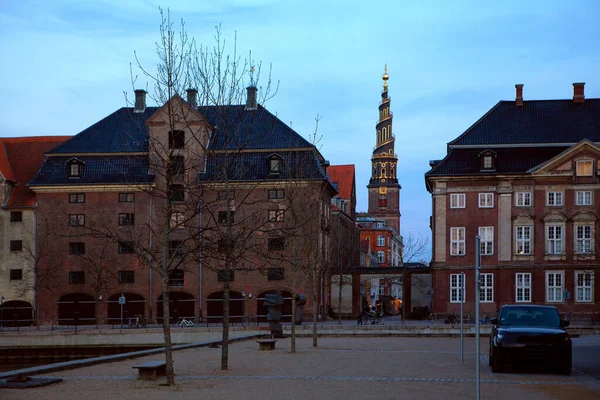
[225, 343]
[339, 260]
[314, 306]
[293, 327]
[167, 330]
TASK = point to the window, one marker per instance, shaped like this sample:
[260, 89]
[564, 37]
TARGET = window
[176, 249]
[486, 288]
[457, 200]
[276, 194]
[76, 277]
[74, 169]
[382, 287]
[222, 217]
[583, 198]
[583, 239]
[456, 288]
[487, 240]
[457, 241]
[523, 239]
[176, 193]
[76, 197]
[487, 162]
[176, 166]
[276, 244]
[76, 219]
[554, 199]
[275, 215]
[16, 216]
[275, 274]
[554, 286]
[77, 248]
[382, 200]
[585, 168]
[225, 276]
[584, 281]
[523, 287]
[126, 276]
[523, 199]
[127, 219]
[126, 197]
[380, 240]
[177, 220]
[380, 256]
[176, 139]
[554, 239]
[16, 245]
[486, 200]
[275, 165]
[126, 248]
[16, 274]
[176, 278]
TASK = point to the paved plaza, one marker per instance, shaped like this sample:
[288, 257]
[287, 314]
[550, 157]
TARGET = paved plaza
[340, 368]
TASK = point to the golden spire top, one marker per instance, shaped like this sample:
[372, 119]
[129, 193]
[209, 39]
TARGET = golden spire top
[385, 77]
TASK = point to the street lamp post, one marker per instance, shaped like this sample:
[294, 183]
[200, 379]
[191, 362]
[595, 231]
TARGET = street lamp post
[243, 307]
[1, 313]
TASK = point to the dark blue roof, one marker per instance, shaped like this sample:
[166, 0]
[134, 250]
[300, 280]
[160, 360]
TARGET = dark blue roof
[254, 166]
[237, 128]
[96, 169]
[536, 121]
[121, 132]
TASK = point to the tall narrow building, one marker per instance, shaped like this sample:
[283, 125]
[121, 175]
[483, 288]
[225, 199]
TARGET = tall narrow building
[384, 190]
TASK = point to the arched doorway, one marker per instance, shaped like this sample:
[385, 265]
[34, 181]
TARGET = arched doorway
[214, 307]
[181, 305]
[286, 311]
[135, 304]
[16, 313]
[76, 309]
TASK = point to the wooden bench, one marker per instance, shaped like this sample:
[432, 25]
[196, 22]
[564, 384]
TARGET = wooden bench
[150, 370]
[266, 344]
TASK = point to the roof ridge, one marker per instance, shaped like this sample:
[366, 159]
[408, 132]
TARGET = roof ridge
[548, 100]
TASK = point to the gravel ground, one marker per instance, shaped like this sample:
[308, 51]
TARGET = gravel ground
[340, 368]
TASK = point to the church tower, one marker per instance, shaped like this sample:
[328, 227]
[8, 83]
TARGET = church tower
[384, 190]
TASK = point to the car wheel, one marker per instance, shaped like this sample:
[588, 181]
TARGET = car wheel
[496, 362]
[564, 368]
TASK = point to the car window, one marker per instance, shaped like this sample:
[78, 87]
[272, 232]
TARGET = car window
[529, 316]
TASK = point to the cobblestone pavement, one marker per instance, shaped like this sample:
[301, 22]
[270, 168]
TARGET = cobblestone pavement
[340, 368]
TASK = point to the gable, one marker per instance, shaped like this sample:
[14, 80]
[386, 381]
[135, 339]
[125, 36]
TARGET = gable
[565, 162]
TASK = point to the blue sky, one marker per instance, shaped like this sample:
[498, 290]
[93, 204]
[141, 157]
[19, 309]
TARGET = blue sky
[65, 65]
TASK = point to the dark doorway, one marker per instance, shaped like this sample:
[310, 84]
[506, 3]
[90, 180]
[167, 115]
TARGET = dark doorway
[181, 305]
[16, 313]
[135, 304]
[214, 307]
[286, 311]
[76, 309]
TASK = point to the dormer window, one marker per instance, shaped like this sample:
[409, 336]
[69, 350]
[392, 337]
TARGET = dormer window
[585, 168]
[275, 164]
[487, 160]
[176, 140]
[74, 168]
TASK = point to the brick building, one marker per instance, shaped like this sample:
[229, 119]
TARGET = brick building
[142, 199]
[524, 178]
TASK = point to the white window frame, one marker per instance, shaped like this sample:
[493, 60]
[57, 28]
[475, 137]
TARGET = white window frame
[584, 236]
[380, 256]
[583, 198]
[486, 288]
[457, 241]
[523, 199]
[486, 233]
[456, 294]
[458, 200]
[523, 239]
[486, 200]
[487, 162]
[557, 199]
[380, 240]
[554, 239]
[584, 163]
[584, 288]
[554, 291]
[523, 287]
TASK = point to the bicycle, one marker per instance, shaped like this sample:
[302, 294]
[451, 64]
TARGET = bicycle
[185, 323]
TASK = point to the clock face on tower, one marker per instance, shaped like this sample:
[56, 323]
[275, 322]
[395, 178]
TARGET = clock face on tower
[383, 190]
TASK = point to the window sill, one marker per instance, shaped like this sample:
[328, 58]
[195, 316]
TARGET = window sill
[555, 257]
[523, 257]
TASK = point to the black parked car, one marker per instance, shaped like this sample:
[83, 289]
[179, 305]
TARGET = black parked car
[525, 334]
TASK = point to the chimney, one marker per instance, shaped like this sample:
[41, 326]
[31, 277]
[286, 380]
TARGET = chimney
[578, 96]
[251, 100]
[519, 98]
[192, 97]
[140, 101]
